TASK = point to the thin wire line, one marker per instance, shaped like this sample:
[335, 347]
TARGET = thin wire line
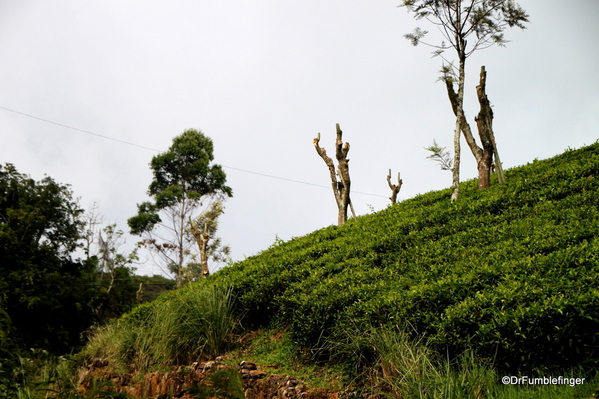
[153, 149]
[298, 181]
[78, 130]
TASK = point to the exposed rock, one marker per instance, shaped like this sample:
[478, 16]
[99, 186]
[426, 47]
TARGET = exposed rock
[247, 365]
[257, 384]
[97, 363]
[257, 374]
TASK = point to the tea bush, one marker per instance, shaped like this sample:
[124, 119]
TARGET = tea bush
[510, 272]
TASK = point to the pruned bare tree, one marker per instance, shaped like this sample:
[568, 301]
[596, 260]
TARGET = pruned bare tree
[457, 20]
[394, 187]
[340, 180]
[203, 228]
[484, 122]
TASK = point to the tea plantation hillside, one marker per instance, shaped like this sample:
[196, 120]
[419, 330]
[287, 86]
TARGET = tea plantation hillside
[511, 272]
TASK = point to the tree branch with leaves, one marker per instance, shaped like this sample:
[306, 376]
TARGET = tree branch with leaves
[440, 155]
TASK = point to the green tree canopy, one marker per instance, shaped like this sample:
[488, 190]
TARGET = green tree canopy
[184, 177]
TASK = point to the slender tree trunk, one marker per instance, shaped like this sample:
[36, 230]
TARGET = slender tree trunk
[483, 123]
[460, 118]
[139, 295]
[498, 165]
[202, 238]
[455, 171]
[180, 249]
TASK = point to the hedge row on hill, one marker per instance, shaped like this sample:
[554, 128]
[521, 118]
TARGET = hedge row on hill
[511, 271]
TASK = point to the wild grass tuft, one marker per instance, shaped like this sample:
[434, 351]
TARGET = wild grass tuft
[397, 366]
[196, 323]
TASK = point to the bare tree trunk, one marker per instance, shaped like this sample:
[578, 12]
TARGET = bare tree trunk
[460, 124]
[498, 165]
[139, 295]
[394, 187]
[483, 123]
[341, 151]
[341, 187]
[455, 171]
[464, 125]
[486, 113]
[204, 238]
[180, 245]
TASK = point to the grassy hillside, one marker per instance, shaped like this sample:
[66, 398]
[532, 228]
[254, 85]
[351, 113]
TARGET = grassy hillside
[511, 271]
[507, 276]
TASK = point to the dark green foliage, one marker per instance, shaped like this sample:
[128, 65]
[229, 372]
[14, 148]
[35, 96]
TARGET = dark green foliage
[510, 272]
[153, 286]
[8, 354]
[145, 219]
[46, 298]
[182, 173]
[186, 168]
[42, 287]
[120, 299]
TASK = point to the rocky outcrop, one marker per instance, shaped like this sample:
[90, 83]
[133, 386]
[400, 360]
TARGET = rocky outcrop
[256, 383]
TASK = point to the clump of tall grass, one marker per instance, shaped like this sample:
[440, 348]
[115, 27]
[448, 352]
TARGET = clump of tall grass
[396, 365]
[195, 322]
[41, 375]
[393, 363]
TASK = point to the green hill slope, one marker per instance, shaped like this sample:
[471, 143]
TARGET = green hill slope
[511, 271]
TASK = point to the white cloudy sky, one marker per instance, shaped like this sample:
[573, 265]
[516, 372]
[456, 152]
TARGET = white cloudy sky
[262, 78]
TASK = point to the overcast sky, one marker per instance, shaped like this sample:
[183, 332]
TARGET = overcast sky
[262, 78]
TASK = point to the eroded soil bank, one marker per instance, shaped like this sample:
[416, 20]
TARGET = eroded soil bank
[201, 378]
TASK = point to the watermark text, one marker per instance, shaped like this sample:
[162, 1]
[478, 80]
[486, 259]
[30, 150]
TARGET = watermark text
[526, 380]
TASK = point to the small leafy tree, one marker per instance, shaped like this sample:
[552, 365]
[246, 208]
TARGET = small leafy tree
[111, 261]
[184, 179]
[457, 20]
[112, 268]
